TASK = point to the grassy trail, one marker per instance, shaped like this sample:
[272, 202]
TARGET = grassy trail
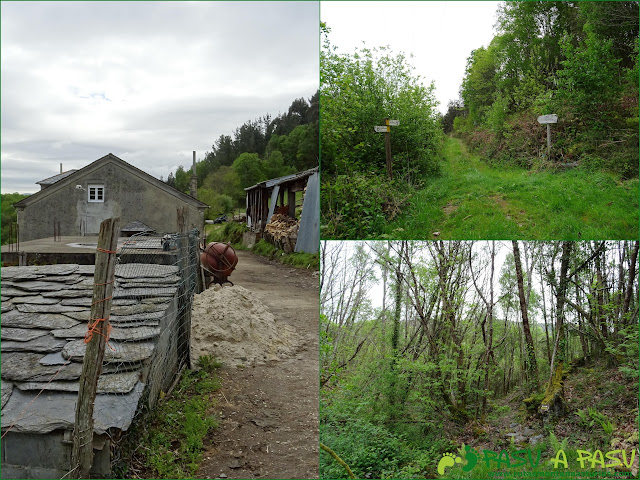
[472, 200]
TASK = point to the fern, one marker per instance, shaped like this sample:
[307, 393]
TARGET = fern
[606, 424]
[584, 418]
[608, 427]
[555, 444]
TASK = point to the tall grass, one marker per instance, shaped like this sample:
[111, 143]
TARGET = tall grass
[472, 200]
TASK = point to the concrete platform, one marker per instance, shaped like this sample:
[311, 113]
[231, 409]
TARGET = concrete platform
[48, 245]
[79, 250]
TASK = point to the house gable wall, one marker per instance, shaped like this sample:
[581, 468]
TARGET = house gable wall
[127, 194]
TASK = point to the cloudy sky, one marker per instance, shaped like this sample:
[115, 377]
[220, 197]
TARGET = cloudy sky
[440, 35]
[147, 81]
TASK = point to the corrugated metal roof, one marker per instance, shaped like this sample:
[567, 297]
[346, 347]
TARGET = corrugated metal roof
[55, 178]
[280, 180]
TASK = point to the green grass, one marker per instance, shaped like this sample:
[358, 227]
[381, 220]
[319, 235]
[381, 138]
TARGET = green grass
[298, 260]
[228, 232]
[169, 442]
[232, 232]
[473, 200]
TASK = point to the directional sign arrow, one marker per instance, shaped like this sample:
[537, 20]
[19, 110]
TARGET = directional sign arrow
[394, 123]
[382, 128]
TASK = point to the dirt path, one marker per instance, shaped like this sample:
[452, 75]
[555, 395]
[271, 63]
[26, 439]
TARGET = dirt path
[269, 414]
[471, 199]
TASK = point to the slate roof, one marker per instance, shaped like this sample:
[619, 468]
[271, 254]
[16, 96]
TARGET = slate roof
[45, 310]
[55, 178]
[136, 226]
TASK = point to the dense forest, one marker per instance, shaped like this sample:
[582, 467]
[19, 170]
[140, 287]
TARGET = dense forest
[429, 348]
[484, 166]
[578, 60]
[260, 149]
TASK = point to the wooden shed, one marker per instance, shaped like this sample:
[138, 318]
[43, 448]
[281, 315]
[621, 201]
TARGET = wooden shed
[279, 195]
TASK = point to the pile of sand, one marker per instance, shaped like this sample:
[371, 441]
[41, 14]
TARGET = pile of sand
[230, 324]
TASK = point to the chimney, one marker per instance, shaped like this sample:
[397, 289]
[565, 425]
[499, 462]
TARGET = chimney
[60, 168]
[193, 184]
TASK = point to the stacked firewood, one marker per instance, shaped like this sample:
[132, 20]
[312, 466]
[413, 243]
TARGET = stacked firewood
[282, 231]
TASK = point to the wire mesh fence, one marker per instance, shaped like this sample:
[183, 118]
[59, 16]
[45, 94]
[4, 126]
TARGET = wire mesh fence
[46, 325]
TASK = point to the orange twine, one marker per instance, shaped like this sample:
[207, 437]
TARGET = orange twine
[105, 251]
[93, 328]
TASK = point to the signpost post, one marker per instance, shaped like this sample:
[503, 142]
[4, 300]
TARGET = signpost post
[548, 120]
[386, 129]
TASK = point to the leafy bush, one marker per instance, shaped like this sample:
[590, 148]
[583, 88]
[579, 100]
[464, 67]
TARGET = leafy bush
[357, 93]
[9, 215]
[358, 205]
[369, 450]
[298, 260]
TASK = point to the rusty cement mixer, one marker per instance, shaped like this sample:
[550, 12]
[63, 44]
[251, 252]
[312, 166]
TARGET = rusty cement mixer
[219, 260]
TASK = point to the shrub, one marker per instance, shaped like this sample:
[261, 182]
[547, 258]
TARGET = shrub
[358, 205]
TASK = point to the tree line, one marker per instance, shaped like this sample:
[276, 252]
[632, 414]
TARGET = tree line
[456, 326]
[260, 149]
[578, 60]
[9, 216]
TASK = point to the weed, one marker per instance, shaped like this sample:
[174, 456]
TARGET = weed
[298, 260]
[170, 440]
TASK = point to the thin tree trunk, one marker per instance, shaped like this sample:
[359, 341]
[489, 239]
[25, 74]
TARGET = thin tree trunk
[558, 353]
[629, 289]
[544, 316]
[531, 366]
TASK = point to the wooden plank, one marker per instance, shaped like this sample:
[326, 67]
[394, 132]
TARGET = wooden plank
[292, 203]
[82, 453]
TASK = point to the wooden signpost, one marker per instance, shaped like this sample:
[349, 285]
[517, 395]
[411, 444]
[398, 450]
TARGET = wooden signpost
[548, 120]
[386, 129]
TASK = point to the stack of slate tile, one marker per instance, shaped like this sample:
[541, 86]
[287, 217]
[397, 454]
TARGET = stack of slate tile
[45, 312]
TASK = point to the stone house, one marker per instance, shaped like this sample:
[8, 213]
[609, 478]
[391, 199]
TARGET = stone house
[78, 201]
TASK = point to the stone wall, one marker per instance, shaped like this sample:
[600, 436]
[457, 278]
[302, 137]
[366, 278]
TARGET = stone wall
[127, 195]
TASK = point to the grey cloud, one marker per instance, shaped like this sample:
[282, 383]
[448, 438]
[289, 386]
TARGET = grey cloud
[143, 80]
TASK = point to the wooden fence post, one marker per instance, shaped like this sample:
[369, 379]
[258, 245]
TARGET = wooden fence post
[82, 454]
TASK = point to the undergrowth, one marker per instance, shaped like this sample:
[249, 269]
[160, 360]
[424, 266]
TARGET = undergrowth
[168, 442]
[230, 232]
[360, 205]
[298, 260]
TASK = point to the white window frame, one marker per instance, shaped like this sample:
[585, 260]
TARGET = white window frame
[97, 191]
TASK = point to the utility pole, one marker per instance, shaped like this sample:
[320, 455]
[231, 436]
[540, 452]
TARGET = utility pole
[193, 184]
